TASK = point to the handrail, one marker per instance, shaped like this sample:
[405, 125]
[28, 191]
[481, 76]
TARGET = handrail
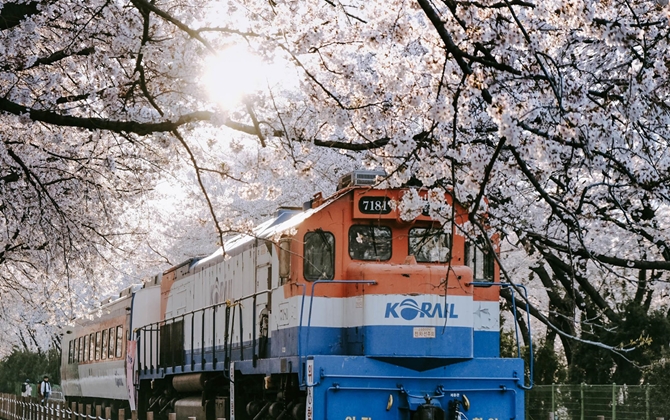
[220, 304]
[516, 327]
[241, 334]
[154, 329]
[309, 316]
[302, 309]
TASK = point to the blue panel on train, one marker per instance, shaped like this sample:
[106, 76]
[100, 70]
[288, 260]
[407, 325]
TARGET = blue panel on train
[363, 388]
[449, 342]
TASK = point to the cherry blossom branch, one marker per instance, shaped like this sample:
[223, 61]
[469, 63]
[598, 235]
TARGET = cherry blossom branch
[341, 6]
[175, 132]
[662, 245]
[106, 124]
[140, 128]
[487, 174]
[551, 289]
[195, 165]
[614, 261]
[143, 4]
[502, 5]
[323, 87]
[226, 30]
[570, 219]
[12, 13]
[374, 144]
[32, 179]
[649, 185]
[257, 127]
[445, 35]
[537, 314]
[558, 208]
[521, 304]
[584, 283]
[53, 58]
[552, 82]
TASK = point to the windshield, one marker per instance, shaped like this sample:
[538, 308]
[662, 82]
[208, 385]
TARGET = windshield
[429, 245]
[319, 262]
[370, 242]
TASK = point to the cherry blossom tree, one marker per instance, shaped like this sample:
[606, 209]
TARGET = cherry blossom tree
[548, 120]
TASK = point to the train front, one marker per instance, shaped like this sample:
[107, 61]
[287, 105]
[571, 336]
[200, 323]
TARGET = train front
[393, 326]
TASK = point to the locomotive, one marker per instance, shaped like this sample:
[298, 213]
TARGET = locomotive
[344, 309]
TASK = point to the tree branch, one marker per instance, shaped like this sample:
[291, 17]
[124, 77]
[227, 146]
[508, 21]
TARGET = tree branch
[13, 13]
[57, 56]
[50, 117]
[142, 4]
[353, 146]
[446, 37]
[586, 254]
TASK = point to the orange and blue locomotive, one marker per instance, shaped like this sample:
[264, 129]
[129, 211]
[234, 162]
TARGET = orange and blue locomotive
[341, 310]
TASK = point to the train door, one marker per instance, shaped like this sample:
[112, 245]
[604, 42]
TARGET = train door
[171, 341]
[263, 285]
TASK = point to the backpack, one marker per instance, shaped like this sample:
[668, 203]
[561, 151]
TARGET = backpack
[23, 388]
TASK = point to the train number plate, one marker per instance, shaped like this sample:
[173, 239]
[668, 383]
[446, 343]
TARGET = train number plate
[424, 332]
[374, 205]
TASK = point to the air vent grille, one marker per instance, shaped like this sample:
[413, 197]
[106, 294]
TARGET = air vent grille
[359, 178]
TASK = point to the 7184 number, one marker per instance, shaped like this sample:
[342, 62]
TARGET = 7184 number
[374, 205]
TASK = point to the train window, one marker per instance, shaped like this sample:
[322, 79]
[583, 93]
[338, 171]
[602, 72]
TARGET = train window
[104, 347]
[111, 343]
[119, 341]
[429, 245]
[97, 345]
[284, 258]
[319, 262]
[80, 357]
[370, 242]
[91, 347]
[75, 355]
[69, 351]
[85, 348]
[480, 260]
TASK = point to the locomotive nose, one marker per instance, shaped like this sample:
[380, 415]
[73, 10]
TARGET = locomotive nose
[414, 305]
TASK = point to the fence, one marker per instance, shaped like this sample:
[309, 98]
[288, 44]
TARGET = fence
[596, 402]
[28, 408]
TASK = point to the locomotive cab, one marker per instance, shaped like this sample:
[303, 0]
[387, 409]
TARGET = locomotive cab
[384, 279]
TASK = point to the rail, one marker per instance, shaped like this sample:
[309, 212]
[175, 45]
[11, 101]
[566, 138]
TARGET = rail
[301, 356]
[512, 288]
[162, 346]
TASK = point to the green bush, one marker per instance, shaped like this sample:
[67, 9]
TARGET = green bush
[21, 365]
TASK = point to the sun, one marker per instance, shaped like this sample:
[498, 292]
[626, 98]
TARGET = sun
[235, 73]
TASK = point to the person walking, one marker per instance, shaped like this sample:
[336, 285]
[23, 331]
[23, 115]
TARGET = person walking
[26, 389]
[45, 389]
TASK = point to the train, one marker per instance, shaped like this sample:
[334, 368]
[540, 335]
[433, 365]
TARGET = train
[347, 308]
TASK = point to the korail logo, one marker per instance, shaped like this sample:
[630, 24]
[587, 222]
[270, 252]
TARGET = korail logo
[409, 309]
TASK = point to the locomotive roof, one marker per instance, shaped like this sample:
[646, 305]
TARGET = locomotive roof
[286, 219]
